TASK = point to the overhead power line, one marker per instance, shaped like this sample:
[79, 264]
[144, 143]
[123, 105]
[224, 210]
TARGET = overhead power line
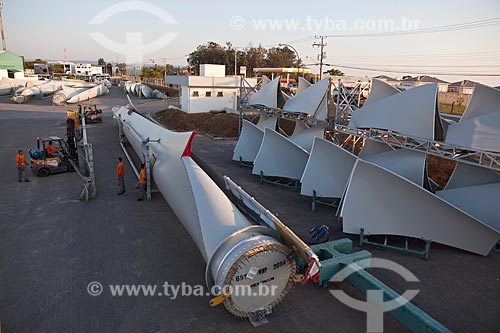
[296, 41]
[412, 72]
[436, 29]
[429, 66]
[430, 56]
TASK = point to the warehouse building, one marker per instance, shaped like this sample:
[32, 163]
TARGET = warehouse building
[11, 65]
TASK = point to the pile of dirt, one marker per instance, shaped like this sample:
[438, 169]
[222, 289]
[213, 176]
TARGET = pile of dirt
[440, 169]
[286, 125]
[215, 124]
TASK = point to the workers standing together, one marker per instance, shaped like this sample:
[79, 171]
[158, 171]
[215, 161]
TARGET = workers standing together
[120, 173]
[21, 166]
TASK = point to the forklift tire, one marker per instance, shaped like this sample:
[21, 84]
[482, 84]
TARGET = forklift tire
[43, 172]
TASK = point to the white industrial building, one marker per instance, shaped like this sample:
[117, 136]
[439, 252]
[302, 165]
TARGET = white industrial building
[211, 91]
[82, 69]
[87, 69]
[79, 69]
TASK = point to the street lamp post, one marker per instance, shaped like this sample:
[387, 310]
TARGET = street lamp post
[298, 58]
[235, 61]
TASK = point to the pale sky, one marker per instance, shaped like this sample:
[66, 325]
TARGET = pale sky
[37, 29]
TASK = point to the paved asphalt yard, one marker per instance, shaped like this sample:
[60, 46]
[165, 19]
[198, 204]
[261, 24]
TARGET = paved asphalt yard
[52, 246]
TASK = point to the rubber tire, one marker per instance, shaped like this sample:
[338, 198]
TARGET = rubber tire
[43, 172]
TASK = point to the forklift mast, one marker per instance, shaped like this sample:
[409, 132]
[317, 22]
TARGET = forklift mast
[71, 139]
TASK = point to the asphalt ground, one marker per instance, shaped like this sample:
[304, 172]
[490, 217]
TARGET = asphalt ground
[52, 246]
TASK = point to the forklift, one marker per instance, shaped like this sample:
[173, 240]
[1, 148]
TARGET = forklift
[65, 159]
[44, 164]
[91, 113]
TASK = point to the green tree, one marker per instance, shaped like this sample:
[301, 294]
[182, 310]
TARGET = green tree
[210, 53]
[101, 62]
[57, 68]
[108, 69]
[31, 64]
[252, 57]
[121, 68]
[334, 72]
[281, 57]
[171, 69]
[153, 72]
[256, 58]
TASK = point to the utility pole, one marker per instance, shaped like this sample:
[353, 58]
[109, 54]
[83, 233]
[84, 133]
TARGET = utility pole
[164, 60]
[4, 46]
[321, 45]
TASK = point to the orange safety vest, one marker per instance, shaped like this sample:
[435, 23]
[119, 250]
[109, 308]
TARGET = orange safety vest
[120, 169]
[51, 149]
[20, 160]
[142, 177]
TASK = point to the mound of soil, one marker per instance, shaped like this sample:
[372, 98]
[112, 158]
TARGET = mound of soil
[214, 124]
[440, 169]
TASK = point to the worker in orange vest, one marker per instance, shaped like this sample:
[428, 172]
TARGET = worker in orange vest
[142, 183]
[21, 166]
[51, 149]
[120, 173]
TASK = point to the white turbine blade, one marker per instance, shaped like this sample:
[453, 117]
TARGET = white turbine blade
[382, 202]
[213, 209]
[267, 95]
[479, 201]
[231, 244]
[266, 121]
[380, 90]
[406, 163]
[279, 157]
[484, 100]
[249, 142]
[303, 136]
[303, 84]
[265, 80]
[412, 112]
[327, 171]
[88, 94]
[465, 175]
[146, 91]
[308, 100]
[482, 132]
[371, 148]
